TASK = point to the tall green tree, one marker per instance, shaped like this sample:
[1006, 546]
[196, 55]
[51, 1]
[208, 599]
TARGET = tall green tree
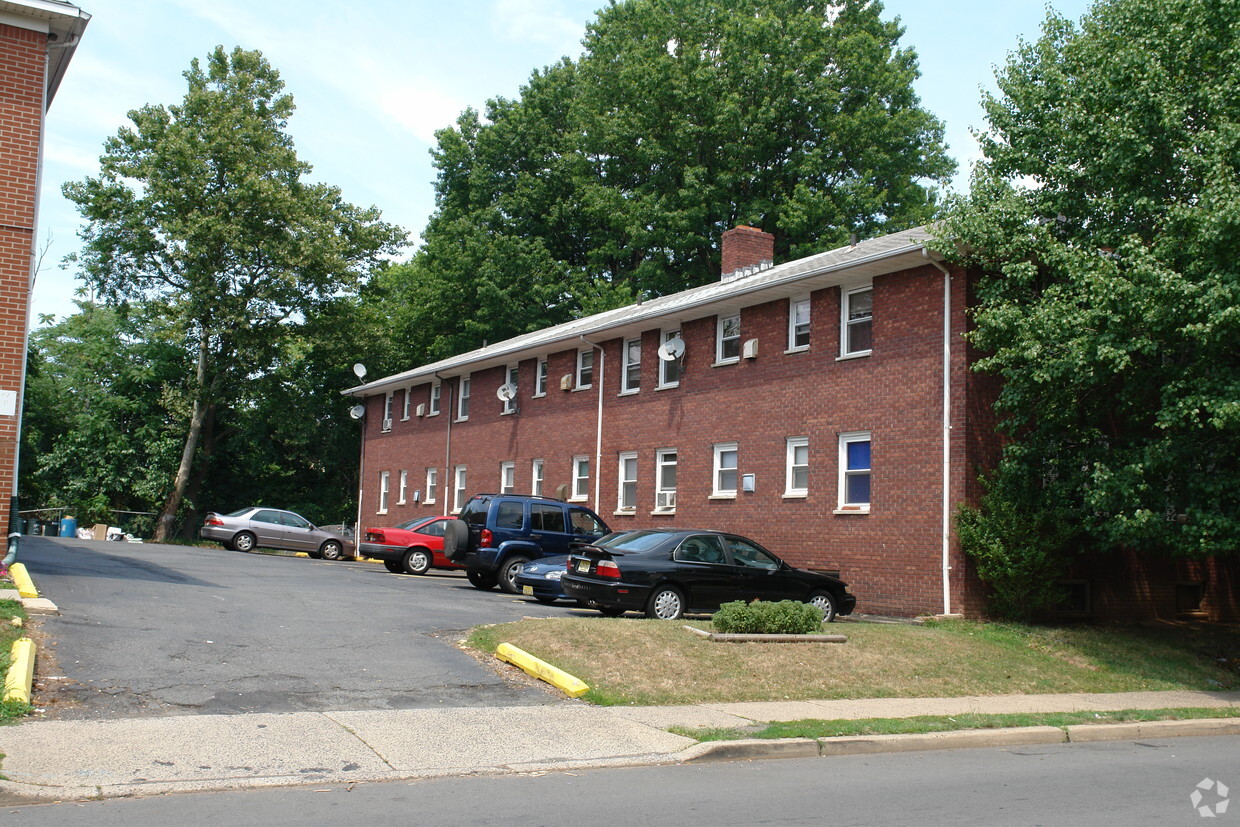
[1106, 215]
[615, 175]
[203, 205]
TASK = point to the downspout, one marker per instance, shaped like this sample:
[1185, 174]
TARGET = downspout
[947, 428]
[448, 478]
[598, 438]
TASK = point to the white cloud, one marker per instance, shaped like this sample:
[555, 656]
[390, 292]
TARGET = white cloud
[538, 21]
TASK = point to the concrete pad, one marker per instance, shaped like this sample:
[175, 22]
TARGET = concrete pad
[191, 751]
[961, 739]
[476, 738]
[39, 606]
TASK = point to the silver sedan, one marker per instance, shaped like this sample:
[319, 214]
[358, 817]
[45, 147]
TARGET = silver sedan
[249, 528]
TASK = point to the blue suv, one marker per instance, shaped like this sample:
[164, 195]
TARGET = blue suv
[497, 534]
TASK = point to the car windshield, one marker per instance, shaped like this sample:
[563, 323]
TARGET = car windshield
[240, 512]
[413, 525]
[632, 540]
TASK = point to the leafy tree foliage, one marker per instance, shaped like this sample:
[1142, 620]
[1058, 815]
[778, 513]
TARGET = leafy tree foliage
[614, 176]
[1107, 213]
[203, 207]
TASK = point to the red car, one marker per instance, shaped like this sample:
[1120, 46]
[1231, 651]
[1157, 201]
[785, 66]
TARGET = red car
[413, 547]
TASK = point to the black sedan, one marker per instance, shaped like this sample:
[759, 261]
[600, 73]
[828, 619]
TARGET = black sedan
[666, 573]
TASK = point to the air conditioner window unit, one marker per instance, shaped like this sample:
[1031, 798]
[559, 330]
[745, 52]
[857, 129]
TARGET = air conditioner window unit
[387, 424]
[421, 410]
[665, 500]
[566, 382]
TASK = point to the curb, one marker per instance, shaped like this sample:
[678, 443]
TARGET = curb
[21, 579]
[571, 686]
[20, 677]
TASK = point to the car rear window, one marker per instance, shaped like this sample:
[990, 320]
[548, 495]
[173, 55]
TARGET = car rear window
[475, 511]
[240, 512]
[633, 540]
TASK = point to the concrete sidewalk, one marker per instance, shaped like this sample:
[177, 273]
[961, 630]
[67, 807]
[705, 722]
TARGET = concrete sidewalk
[145, 756]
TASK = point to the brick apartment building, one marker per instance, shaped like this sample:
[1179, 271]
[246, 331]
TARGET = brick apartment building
[37, 41]
[824, 407]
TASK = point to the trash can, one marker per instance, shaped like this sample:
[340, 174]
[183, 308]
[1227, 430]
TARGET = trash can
[68, 527]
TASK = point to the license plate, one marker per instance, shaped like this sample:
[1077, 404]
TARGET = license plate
[527, 590]
[583, 565]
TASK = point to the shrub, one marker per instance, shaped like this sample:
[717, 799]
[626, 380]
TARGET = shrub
[787, 617]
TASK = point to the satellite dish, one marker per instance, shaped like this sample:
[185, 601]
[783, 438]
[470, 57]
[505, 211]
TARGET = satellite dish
[360, 370]
[672, 349]
[357, 411]
[506, 392]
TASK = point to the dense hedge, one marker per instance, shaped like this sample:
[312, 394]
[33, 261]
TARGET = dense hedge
[787, 617]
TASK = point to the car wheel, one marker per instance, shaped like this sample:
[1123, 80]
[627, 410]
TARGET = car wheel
[480, 579]
[331, 550]
[508, 573]
[610, 611]
[455, 539]
[666, 603]
[393, 566]
[314, 554]
[825, 603]
[243, 541]
[417, 561]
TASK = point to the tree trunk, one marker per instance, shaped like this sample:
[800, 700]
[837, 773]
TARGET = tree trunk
[195, 481]
[163, 525]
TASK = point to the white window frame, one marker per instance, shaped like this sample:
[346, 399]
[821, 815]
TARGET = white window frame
[507, 477]
[582, 367]
[846, 298]
[386, 424]
[661, 488]
[462, 398]
[540, 377]
[510, 375]
[436, 393]
[536, 477]
[791, 489]
[718, 469]
[384, 482]
[847, 439]
[721, 341]
[631, 373]
[404, 413]
[581, 481]
[664, 382]
[432, 485]
[625, 481]
[795, 305]
[458, 488]
[404, 487]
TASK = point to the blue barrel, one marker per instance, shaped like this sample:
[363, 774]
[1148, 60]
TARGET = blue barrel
[68, 527]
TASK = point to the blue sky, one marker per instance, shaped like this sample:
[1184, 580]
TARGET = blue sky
[374, 79]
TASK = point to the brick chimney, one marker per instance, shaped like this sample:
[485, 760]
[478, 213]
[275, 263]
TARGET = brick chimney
[746, 250]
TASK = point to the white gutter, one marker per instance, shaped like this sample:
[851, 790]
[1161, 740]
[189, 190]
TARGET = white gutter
[947, 428]
[598, 436]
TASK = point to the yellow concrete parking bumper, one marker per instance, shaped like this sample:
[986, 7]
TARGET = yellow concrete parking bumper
[566, 683]
[20, 676]
[21, 579]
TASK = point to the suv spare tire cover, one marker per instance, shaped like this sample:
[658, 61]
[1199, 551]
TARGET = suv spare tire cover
[455, 539]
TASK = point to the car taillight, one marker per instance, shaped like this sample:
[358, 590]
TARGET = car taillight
[486, 538]
[213, 520]
[608, 569]
[374, 536]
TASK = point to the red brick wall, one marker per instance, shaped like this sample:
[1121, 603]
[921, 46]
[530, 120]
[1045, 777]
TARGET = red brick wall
[892, 557]
[22, 60]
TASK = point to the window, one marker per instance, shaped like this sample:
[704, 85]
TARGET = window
[387, 412]
[669, 370]
[631, 379]
[404, 486]
[507, 477]
[701, 549]
[798, 324]
[510, 378]
[627, 487]
[581, 478]
[432, 484]
[540, 383]
[458, 489]
[462, 402]
[585, 369]
[383, 492]
[665, 480]
[536, 477]
[404, 414]
[547, 517]
[796, 475]
[510, 514]
[436, 390]
[728, 339]
[855, 471]
[725, 470]
[857, 323]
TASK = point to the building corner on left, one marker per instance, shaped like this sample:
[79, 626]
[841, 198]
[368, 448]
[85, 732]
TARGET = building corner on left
[38, 39]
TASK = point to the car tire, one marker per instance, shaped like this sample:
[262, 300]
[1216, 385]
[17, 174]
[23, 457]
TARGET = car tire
[508, 572]
[243, 541]
[824, 601]
[480, 579]
[331, 550]
[610, 611]
[416, 561]
[314, 554]
[665, 603]
[393, 566]
[455, 539]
